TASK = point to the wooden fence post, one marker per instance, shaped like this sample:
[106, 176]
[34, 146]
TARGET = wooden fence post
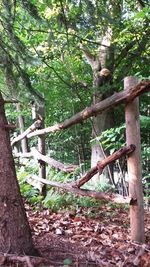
[42, 166]
[134, 165]
[24, 141]
[38, 113]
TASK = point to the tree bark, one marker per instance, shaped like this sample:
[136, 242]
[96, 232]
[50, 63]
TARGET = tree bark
[102, 67]
[134, 165]
[15, 234]
[102, 77]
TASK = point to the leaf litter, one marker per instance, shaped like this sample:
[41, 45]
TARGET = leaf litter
[93, 237]
[98, 237]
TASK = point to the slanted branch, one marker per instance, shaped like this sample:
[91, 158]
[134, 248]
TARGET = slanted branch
[103, 163]
[75, 186]
[33, 127]
[93, 110]
[114, 100]
[50, 161]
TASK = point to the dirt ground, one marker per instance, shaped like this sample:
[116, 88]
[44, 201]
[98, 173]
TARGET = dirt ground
[86, 237]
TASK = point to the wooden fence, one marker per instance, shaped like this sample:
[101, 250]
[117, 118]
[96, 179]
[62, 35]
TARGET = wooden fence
[129, 96]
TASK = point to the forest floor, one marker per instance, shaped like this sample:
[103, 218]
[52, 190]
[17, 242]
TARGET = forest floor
[88, 237]
[93, 237]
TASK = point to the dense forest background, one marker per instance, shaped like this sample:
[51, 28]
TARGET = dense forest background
[71, 75]
[66, 55]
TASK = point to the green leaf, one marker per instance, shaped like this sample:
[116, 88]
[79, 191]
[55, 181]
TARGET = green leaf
[67, 262]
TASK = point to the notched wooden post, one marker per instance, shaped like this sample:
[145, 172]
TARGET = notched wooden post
[134, 165]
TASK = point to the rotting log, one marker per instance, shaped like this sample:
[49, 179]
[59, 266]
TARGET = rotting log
[114, 100]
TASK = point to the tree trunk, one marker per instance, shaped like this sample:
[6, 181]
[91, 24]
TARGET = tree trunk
[101, 123]
[102, 78]
[134, 165]
[15, 234]
[24, 142]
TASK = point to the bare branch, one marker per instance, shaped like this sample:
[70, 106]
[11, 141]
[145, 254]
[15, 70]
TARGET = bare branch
[83, 192]
[114, 100]
[32, 128]
[81, 39]
[10, 126]
[91, 59]
[50, 161]
[8, 101]
[102, 164]
[74, 187]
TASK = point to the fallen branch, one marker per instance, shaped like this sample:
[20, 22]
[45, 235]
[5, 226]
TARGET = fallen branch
[50, 161]
[102, 164]
[32, 128]
[114, 100]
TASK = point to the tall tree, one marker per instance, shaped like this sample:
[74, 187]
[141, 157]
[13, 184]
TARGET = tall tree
[15, 234]
[40, 53]
[47, 55]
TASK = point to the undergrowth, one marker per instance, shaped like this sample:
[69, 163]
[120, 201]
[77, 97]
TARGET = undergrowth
[56, 199]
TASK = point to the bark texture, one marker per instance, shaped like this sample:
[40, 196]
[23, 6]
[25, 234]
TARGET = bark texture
[102, 67]
[15, 234]
[134, 165]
